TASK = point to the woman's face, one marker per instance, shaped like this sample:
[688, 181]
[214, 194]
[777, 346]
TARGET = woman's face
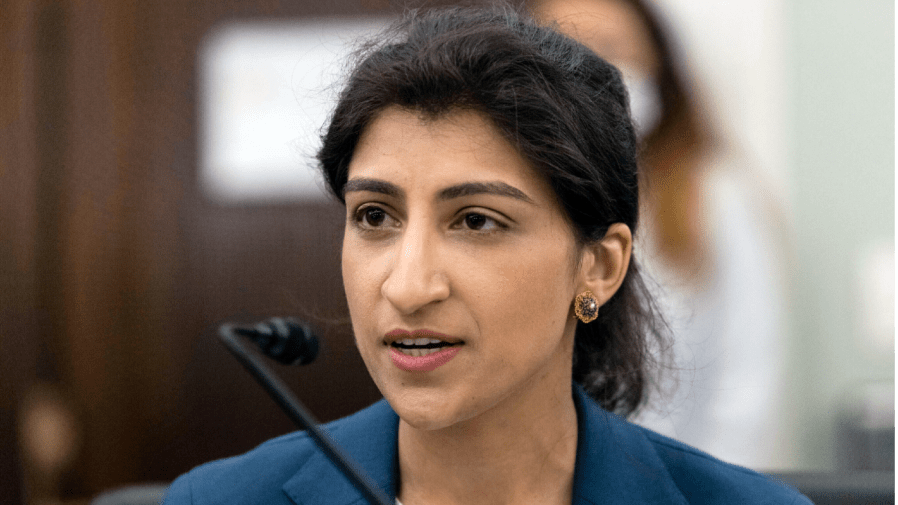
[459, 269]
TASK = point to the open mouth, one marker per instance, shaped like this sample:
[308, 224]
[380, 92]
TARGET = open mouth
[418, 347]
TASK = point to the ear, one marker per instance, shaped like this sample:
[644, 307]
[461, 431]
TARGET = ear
[605, 262]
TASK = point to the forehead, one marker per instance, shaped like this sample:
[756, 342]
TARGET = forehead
[463, 145]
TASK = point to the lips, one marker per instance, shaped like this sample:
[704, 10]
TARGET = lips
[421, 350]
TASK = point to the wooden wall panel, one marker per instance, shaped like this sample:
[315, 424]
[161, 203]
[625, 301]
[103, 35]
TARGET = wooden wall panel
[104, 305]
[115, 270]
[249, 263]
[18, 229]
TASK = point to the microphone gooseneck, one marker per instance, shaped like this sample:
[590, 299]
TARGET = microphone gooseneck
[278, 336]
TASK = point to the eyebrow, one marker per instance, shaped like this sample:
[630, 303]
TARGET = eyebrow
[457, 191]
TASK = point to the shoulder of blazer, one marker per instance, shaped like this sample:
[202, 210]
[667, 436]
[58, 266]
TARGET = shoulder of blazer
[620, 462]
[703, 478]
[259, 475]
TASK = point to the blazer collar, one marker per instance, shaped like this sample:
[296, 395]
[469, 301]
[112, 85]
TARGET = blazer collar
[370, 439]
[616, 463]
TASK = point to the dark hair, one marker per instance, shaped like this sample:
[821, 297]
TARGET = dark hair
[563, 107]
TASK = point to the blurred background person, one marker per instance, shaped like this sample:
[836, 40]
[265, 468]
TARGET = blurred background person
[712, 237]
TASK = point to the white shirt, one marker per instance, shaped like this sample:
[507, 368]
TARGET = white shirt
[729, 333]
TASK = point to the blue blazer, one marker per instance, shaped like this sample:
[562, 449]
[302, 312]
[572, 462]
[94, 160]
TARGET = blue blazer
[617, 463]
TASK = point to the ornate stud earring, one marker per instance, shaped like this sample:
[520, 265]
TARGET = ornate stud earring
[586, 306]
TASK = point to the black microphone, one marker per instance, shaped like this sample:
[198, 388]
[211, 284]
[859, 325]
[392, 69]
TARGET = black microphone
[283, 339]
[291, 341]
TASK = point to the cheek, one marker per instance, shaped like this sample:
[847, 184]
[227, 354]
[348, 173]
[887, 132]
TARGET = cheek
[349, 271]
[526, 299]
[358, 281]
[356, 284]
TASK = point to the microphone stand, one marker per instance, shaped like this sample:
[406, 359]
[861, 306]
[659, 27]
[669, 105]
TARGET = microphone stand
[302, 417]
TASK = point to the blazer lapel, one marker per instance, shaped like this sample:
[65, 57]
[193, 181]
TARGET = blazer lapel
[616, 463]
[369, 438]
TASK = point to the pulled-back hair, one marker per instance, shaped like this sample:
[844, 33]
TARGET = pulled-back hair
[564, 109]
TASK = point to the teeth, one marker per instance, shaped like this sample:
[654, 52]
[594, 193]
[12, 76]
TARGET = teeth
[418, 341]
[418, 352]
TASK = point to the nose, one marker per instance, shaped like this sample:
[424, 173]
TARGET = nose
[415, 279]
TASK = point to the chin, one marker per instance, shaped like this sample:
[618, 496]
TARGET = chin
[427, 410]
[423, 421]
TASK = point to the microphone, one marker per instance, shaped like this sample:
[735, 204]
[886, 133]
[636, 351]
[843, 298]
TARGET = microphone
[290, 341]
[283, 339]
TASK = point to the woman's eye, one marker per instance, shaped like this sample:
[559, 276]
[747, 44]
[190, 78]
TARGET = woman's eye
[475, 221]
[480, 222]
[375, 217]
[372, 217]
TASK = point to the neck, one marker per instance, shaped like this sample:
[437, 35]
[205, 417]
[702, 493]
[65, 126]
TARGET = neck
[521, 451]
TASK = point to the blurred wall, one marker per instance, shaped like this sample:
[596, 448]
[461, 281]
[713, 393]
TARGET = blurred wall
[115, 270]
[841, 68]
[18, 281]
[807, 88]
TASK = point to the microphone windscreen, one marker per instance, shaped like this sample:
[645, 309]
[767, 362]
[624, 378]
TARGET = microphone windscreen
[286, 340]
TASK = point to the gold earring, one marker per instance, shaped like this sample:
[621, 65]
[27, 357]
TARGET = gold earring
[586, 306]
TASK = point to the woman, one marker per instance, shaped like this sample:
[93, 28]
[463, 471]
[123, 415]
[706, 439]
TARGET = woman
[711, 236]
[488, 168]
